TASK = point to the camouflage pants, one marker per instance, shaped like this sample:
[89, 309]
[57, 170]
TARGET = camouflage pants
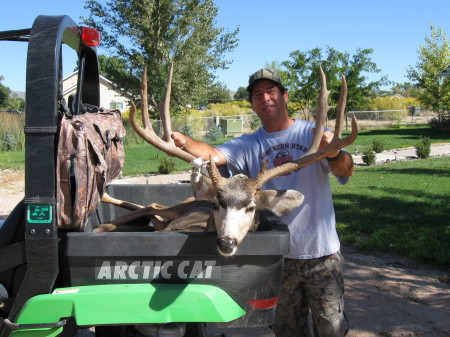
[316, 285]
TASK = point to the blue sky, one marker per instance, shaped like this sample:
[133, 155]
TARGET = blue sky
[271, 30]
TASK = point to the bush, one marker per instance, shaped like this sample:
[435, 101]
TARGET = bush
[395, 126]
[369, 157]
[423, 149]
[187, 130]
[255, 123]
[8, 141]
[166, 165]
[441, 124]
[377, 145]
[214, 132]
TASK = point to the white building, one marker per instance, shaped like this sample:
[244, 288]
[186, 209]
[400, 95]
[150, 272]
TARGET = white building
[109, 98]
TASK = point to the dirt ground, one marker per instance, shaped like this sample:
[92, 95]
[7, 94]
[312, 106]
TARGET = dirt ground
[386, 295]
[12, 190]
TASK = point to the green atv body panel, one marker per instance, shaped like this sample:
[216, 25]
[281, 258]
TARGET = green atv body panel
[124, 304]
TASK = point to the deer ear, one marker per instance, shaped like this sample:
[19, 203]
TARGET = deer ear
[202, 186]
[280, 202]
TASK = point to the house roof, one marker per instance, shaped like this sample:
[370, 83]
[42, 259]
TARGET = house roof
[103, 79]
[76, 73]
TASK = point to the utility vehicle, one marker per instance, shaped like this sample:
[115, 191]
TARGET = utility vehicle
[128, 283]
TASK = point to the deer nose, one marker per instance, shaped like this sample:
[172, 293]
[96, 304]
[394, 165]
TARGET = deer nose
[226, 245]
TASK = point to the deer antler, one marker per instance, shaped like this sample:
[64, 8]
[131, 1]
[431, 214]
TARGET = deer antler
[313, 155]
[214, 173]
[147, 133]
[164, 108]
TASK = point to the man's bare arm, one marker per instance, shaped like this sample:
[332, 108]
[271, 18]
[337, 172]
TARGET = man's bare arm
[197, 148]
[343, 166]
[341, 162]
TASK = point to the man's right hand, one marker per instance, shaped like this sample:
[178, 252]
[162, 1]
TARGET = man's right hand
[179, 139]
[197, 148]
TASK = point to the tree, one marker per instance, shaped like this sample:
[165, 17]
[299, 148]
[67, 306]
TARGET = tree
[406, 89]
[303, 76]
[157, 32]
[434, 57]
[16, 103]
[241, 94]
[219, 93]
[115, 70]
[359, 91]
[4, 94]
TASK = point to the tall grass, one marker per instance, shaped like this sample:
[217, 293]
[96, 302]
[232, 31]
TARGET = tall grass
[11, 132]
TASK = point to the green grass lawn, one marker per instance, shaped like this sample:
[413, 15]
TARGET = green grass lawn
[394, 138]
[401, 207]
[14, 160]
[144, 159]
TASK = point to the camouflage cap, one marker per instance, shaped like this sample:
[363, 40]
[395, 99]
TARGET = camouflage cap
[263, 74]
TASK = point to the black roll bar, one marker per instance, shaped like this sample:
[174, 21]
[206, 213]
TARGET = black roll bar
[44, 94]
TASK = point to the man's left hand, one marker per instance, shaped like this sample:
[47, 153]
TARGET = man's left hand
[326, 139]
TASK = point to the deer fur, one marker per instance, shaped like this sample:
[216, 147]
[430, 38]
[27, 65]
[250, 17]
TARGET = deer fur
[206, 212]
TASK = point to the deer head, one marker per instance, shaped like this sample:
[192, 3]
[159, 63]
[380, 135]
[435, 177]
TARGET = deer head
[236, 203]
[237, 200]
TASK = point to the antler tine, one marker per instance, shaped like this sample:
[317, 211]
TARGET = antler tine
[340, 110]
[260, 179]
[165, 108]
[321, 115]
[147, 133]
[144, 102]
[314, 155]
[214, 173]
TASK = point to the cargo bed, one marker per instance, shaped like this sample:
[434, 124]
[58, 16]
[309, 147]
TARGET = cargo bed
[253, 273]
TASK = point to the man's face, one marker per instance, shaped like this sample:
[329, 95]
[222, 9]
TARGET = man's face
[268, 102]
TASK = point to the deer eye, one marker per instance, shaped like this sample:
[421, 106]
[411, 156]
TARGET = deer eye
[250, 209]
[215, 207]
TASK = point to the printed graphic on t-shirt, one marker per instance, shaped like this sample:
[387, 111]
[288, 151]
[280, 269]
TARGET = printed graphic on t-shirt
[281, 147]
[282, 157]
[284, 153]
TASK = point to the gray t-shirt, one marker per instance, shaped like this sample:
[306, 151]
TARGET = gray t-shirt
[312, 225]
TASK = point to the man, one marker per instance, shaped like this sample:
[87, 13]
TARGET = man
[312, 277]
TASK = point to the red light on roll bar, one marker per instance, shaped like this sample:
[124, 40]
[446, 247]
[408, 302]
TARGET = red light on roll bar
[90, 36]
[264, 304]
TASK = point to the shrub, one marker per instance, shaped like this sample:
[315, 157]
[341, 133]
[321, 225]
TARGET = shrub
[166, 165]
[214, 132]
[377, 145]
[255, 123]
[423, 149]
[8, 141]
[396, 126]
[369, 157]
[230, 108]
[441, 124]
[187, 130]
